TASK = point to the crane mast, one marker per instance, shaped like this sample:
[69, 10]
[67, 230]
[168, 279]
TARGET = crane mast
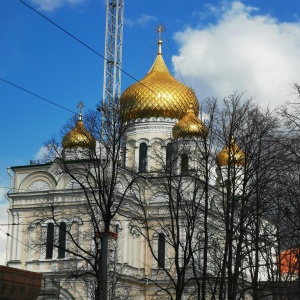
[113, 51]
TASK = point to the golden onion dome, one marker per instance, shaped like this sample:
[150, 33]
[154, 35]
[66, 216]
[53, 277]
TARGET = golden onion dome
[189, 126]
[231, 155]
[158, 94]
[79, 137]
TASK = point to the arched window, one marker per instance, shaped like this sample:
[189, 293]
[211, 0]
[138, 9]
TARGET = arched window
[184, 164]
[49, 242]
[143, 157]
[161, 250]
[62, 240]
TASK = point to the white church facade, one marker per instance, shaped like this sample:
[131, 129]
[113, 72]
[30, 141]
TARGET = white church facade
[51, 229]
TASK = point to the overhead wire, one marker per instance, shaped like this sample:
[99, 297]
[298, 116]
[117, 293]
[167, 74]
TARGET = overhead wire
[8, 234]
[84, 44]
[84, 221]
[53, 103]
[36, 95]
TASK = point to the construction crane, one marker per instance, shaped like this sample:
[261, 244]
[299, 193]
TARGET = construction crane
[113, 51]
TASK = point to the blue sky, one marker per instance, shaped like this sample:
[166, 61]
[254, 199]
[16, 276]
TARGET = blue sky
[251, 46]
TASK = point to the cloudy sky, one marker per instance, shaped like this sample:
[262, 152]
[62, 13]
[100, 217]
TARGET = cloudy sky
[216, 47]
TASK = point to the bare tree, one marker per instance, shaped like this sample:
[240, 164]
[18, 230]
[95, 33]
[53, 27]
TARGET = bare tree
[83, 220]
[287, 204]
[205, 207]
[246, 201]
[208, 229]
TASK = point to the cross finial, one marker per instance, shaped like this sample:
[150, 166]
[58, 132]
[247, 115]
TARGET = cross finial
[160, 28]
[80, 107]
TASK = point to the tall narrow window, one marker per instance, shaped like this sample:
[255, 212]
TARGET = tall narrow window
[62, 240]
[169, 157]
[184, 164]
[49, 242]
[124, 157]
[143, 157]
[161, 250]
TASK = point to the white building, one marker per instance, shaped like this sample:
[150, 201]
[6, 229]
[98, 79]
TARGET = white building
[51, 227]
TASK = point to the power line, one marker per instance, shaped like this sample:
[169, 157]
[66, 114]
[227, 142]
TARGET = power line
[83, 43]
[36, 95]
[17, 239]
[41, 221]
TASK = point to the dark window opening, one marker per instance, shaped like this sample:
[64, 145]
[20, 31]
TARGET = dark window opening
[184, 164]
[49, 242]
[161, 250]
[124, 157]
[62, 240]
[143, 157]
[169, 157]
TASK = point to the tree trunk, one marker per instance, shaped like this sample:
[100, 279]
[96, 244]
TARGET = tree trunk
[103, 267]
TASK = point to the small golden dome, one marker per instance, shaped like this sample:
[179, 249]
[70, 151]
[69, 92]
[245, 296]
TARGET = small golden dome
[189, 126]
[158, 94]
[231, 154]
[78, 137]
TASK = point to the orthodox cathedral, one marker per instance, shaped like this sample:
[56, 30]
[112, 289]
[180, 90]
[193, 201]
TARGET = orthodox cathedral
[52, 233]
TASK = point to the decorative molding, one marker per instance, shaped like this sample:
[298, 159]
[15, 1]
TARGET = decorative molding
[72, 184]
[39, 185]
[133, 230]
[152, 119]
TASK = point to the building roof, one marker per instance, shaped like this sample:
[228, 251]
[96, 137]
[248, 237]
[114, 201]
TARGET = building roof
[19, 284]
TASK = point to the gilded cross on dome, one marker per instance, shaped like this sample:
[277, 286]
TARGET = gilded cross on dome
[80, 107]
[160, 28]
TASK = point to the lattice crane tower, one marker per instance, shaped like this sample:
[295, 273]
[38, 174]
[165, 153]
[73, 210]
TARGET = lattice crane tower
[113, 50]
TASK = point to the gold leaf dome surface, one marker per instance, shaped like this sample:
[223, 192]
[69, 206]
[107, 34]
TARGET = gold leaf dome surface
[158, 94]
[79, 137]
[189, 126]
[231, 155]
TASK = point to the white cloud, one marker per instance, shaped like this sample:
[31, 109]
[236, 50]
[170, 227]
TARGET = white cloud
[41, 154]
[51, 5]
[243, 51]
[140, 21]
[46, 153]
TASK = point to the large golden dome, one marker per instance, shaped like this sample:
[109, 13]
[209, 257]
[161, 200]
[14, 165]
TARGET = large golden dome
[189, 126]
[79, 137]
[231, 155]
[158, 94]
